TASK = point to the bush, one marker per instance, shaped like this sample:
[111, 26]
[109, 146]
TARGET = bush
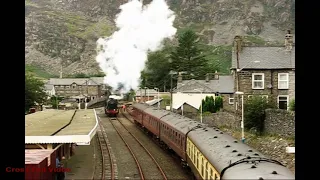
[292, 105]
[218, 103]
[254, 112]
[209, 104]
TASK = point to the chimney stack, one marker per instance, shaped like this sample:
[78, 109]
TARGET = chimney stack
[288, 41]
[237, 43]
[216, 75]
[207, 77]
[179, 83]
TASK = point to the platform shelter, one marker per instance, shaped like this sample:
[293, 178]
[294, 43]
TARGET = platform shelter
[60, 130]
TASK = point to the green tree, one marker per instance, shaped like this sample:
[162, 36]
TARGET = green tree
[254, 112]
[156, 72]
[55, 101]
[292, 105]
[34, 91]
[187, 56]
[130, 95]
[218, 103]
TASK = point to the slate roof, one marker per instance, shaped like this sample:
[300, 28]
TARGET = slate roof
[225, 84]
[268, 57]
[188, 86]
[78, 81]
[48, 87]
[98, 80]
[151, 92]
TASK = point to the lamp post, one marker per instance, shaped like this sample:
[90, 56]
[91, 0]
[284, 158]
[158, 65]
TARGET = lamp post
[145, 94]
[242, 116]
[157, 89]
[171, 84]
[140, 95]
[147, 91]
[200, 104]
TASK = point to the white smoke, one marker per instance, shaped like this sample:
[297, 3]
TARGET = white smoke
[122, 56]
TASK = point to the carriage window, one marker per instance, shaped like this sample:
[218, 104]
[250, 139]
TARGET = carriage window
[206, 175]
[203, 167]
[197, 160]
[211, 174]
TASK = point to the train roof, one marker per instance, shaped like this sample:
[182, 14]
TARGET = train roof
[222, 149]
[213, 145]
[263, 170]
[181, 123]
[140, 106]
[155, 112]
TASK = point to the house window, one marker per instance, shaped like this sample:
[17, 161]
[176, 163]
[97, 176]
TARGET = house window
[283, 81]
[67, 87]
[257, 81]
[231, 99]
[73, 86]
[283, 101]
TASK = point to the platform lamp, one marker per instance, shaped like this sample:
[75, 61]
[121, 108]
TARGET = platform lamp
[242, 115]
[199, 90]
[157, 89]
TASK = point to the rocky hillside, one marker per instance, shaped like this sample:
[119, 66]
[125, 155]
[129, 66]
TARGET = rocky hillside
[64, 32]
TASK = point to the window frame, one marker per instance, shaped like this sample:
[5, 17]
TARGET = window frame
[232, 100]
[287, 80]
[278, 100]
[253, 81]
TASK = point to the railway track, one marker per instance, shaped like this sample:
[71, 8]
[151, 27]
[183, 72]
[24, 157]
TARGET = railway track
[147, 165]
[106, 167]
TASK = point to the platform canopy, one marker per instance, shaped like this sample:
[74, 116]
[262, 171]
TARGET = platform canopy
[61, 126]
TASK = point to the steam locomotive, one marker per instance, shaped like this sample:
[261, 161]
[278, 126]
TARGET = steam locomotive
[207, 151]
[111, 107]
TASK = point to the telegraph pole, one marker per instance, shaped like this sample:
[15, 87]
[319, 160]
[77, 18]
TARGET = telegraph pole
[171, 94]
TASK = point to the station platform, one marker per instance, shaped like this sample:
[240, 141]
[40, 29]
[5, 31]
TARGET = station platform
[60, 130]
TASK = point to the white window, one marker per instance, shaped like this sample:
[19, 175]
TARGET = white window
[257, 80]
[283, 101]
[283, 81]
[231, 99]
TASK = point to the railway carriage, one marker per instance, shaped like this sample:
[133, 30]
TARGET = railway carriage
[138, 112]
[209, 152]
[215, 155]
[151, 120]
[173, 132]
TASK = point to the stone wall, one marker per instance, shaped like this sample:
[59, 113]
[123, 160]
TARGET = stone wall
[280, 122]
[223, 119]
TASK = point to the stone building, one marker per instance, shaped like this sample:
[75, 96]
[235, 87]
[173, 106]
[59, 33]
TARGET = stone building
[213, 85]
[90, 88]
[265, 71]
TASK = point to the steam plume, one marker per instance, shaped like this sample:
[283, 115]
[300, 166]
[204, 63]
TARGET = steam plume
[122, 55]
